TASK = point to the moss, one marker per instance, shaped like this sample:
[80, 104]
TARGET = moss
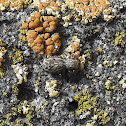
[119, 40]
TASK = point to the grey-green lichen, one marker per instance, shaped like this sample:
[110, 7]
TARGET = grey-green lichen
[16, 56]
[88, 103]
[14, 118]
[120, 38]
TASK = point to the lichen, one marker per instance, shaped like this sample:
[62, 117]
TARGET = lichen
[14, 117]
[120, 39]
[38, 81]
[88, 103]
[16, 56]
[15, 89]
[14, 4]
[50, 87]
[37, 31]
[21, 72]
[87, 10]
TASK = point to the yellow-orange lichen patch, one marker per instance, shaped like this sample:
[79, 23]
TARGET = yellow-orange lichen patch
[39, 29]
[88, 9]
[49, 41]
[13, 4]
[39, 33]
[31, 24]
[39, 39]
[38, 15]
[57, 43]
[49, 49]
[55, 37]
[24, 25]
[46, 35]
[73, 48]
[50, 7]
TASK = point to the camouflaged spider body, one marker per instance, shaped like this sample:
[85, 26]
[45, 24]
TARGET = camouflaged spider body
[55, 64]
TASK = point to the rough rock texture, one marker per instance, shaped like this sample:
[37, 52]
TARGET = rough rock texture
[107, 61]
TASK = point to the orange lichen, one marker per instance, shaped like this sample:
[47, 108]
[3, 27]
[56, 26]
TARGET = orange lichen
[50, 7]
[46, 35]
[39, 30]
[24, 25]
[88, 9]
[13, 4]
[73, 48]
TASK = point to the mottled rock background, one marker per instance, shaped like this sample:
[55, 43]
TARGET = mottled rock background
[64, 113]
